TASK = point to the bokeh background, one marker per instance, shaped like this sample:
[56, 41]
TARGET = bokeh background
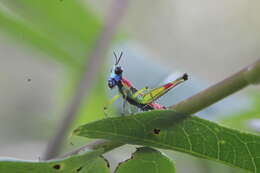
[44, 44]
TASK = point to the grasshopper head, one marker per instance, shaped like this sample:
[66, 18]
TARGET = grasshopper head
[116, 73]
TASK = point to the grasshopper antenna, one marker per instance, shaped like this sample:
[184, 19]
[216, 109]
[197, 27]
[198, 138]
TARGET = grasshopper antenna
[120, 56]
[115, 57]
[118, 59]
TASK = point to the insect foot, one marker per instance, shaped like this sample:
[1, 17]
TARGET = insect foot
[105, 112]
[185, 76]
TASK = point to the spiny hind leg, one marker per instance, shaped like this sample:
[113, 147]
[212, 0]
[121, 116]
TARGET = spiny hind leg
[140, 92]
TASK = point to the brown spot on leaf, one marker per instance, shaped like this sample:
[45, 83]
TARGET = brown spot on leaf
[56, 167]
[156, 131]
[79, 169]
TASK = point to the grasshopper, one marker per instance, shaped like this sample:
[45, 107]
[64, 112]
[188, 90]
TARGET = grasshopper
[144, 98]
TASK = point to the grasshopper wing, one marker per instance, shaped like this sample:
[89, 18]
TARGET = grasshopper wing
[156, 93]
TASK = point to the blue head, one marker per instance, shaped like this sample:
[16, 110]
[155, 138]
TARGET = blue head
[116, 73]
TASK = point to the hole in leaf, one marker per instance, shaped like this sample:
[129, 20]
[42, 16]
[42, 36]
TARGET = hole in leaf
[156, 131]
[56, 167]
[79, 169]
[107, 162]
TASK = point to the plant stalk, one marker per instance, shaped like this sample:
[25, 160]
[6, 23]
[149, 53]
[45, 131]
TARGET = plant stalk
[84, 85]
[211, 95]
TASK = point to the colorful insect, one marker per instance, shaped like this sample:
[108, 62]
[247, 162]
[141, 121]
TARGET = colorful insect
[144, 98]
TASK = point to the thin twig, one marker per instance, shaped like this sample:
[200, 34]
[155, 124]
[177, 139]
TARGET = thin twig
[232, 84]
[88, 78]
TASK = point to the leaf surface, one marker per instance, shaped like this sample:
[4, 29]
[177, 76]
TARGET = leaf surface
[146, 160]
[85, 163]
[189, 134]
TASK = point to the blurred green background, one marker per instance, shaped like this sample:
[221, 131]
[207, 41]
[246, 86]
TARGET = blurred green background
[44, 45]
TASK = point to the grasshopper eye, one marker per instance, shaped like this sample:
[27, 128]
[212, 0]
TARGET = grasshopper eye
[118, 70]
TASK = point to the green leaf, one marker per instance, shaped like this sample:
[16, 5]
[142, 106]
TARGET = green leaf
[19, 30]
[64, 30]
[86, 163]
[146, 160]
[99, 165]
[191, 135]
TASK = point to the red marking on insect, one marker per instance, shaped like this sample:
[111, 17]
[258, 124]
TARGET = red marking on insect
[168, 85]
[127, 83]
[156, 106]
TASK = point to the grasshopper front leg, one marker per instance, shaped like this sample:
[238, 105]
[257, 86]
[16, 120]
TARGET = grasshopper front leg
[110, 102]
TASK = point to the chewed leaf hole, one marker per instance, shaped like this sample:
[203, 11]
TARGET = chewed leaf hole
[57, 167]
[79, 169]
[156, 131]
[107, 162]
